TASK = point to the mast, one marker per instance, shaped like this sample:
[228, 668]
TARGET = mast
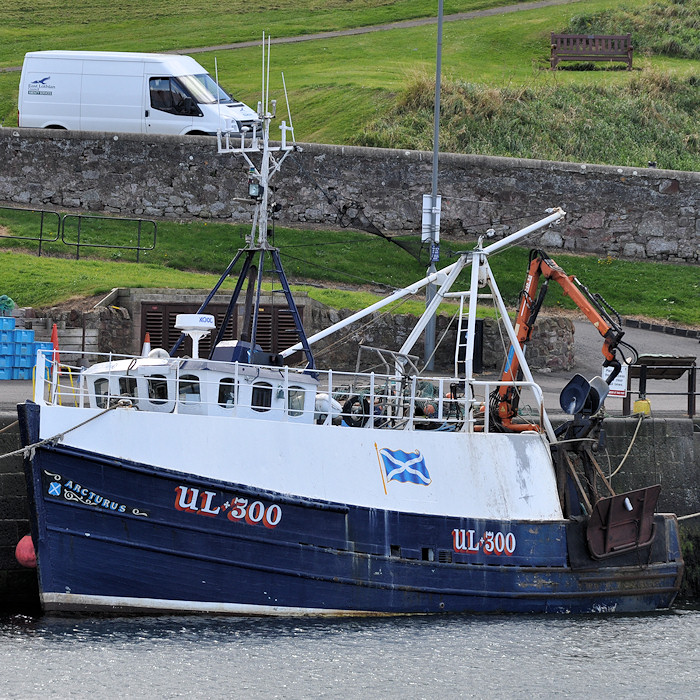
[264, 161]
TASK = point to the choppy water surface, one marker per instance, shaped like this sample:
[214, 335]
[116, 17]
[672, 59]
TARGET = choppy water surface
[414, 657]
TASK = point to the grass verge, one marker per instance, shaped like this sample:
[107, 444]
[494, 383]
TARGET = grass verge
[669, 293]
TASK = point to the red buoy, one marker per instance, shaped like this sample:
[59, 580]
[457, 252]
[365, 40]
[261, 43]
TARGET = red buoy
[24, 552]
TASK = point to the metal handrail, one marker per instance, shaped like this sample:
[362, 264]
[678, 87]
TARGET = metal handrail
[61, 231]
[80, 217]
[646, 372]
[44, 213]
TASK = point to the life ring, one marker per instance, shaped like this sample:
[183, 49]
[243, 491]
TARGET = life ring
[356, 411]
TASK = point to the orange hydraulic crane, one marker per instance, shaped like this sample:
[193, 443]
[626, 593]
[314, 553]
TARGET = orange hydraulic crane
[596, 309]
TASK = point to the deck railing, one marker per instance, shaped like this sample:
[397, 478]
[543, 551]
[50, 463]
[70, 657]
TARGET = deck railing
[363, 400]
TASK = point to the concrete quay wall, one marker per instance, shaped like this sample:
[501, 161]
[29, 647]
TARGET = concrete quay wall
[618, 211]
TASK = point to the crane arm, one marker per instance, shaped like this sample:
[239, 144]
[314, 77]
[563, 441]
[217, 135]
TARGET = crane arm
[541, 266]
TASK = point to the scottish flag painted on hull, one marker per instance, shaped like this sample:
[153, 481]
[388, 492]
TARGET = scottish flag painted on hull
[405, 466]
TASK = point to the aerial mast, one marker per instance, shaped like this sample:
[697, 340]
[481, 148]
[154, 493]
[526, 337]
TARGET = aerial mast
[264, 161]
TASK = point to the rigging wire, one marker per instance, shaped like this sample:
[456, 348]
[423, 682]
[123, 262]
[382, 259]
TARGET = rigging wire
[339, 272]
[437, 345]
[369, 226]
[365, 325]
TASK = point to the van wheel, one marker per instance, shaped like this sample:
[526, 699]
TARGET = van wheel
[55, 126]
[196, 133]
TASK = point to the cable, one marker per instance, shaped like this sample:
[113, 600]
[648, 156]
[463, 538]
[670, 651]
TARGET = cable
[339, 272]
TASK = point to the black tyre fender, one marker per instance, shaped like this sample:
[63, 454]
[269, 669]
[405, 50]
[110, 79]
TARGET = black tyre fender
[356, 411]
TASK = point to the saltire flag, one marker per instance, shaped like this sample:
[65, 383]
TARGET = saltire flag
[405, 466]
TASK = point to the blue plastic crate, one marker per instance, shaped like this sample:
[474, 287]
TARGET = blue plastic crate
[7, 323]
[7, 348]
[23, 336]
[21, 372]
[6, 361]
[24, 361]
[7, 336]
[6, 372]
[46, 347]
[20, 349]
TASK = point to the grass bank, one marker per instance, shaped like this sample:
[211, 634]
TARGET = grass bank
[670, 293]
[339, 86]
[651, 117]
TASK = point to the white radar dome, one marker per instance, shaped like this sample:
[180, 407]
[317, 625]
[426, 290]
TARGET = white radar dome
[194, 322]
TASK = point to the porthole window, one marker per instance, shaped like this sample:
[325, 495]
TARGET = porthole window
[102, 392]
[262, 397]
[188, 389]
[157, 389]
[295, 400]
[227, 392]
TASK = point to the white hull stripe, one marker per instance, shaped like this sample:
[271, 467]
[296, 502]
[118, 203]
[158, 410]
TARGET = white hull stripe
[71, 601]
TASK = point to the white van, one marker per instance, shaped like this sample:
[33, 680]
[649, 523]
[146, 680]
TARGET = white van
[117, 91]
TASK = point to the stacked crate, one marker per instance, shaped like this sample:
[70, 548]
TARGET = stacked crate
[17, 350]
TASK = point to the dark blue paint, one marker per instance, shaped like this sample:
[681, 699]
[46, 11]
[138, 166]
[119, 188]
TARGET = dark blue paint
[320, 555]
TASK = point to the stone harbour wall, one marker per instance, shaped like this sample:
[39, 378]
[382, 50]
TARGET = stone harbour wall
[18, 586]
[618, 211]
[666, 451]
[116, 325]
[551, 346]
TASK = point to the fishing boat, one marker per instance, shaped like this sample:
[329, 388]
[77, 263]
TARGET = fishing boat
[245, 483]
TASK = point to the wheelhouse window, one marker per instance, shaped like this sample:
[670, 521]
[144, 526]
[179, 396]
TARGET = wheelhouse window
[262, 397]
[102, 392]
[167, 95]
[295, 400]
[157, 389]
[127, 386]
[188, 389]
[227, 392]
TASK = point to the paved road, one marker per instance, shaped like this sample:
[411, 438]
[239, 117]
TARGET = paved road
[588, 344]
[423, 21]
[589, 360]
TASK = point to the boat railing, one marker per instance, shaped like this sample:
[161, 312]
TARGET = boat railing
[324, 397]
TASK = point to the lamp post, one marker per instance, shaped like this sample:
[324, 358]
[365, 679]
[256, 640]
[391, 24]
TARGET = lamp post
[434, 228]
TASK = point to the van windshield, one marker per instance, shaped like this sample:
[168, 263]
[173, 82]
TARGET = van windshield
[204, 89]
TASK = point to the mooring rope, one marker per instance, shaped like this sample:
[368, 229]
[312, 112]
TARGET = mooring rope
[24, 451]
[7, 427]
[629, 449]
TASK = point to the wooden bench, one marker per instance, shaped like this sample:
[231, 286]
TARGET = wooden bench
[590, 47]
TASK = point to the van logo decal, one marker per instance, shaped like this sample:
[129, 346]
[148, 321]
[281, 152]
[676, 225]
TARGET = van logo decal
[40, 87]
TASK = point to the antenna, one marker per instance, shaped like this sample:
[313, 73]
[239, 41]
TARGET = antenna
[257, 246]
[289, 111]
[267, 91]
[263, 102]
[259, 175]
[218, 93]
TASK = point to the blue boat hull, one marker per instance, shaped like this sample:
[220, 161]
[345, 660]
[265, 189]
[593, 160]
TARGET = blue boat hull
[124, 537]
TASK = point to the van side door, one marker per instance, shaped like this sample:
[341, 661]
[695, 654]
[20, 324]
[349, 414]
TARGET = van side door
[112, 96]
[169, 108]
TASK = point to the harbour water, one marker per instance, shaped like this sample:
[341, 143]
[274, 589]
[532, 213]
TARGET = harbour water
[651, 656]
